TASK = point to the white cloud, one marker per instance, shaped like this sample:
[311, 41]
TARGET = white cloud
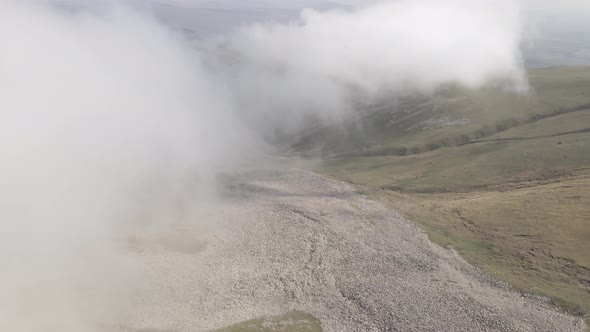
[106, 118]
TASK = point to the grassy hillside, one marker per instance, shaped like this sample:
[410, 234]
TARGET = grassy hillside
[502, 178]
[452, 117]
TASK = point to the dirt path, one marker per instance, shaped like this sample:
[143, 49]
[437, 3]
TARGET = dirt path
[291, 239]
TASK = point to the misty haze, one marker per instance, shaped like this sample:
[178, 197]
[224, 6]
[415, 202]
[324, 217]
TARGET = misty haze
[294, 165]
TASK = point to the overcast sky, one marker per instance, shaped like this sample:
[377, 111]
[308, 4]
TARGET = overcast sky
[554, 32]
[559, 15]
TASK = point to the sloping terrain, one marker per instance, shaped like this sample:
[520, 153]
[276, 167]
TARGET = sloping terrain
[317, 256]
[504, 179]
[452, 117]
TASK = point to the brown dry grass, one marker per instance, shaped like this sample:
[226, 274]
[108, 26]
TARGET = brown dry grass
[535, 238]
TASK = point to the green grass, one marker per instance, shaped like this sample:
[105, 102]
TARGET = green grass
[574, 121]
[293, 321]
[469, 167]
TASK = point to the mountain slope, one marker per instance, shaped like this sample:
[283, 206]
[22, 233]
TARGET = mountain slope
[452, 117]
[503, 179]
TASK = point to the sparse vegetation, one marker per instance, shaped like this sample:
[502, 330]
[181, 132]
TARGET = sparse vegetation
[293, 321]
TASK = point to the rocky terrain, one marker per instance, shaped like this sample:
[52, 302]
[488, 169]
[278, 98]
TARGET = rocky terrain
[287, 239]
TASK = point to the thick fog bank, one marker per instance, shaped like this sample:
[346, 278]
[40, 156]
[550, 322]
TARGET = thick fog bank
[111, 123]
[325, 63]
[107, 122]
